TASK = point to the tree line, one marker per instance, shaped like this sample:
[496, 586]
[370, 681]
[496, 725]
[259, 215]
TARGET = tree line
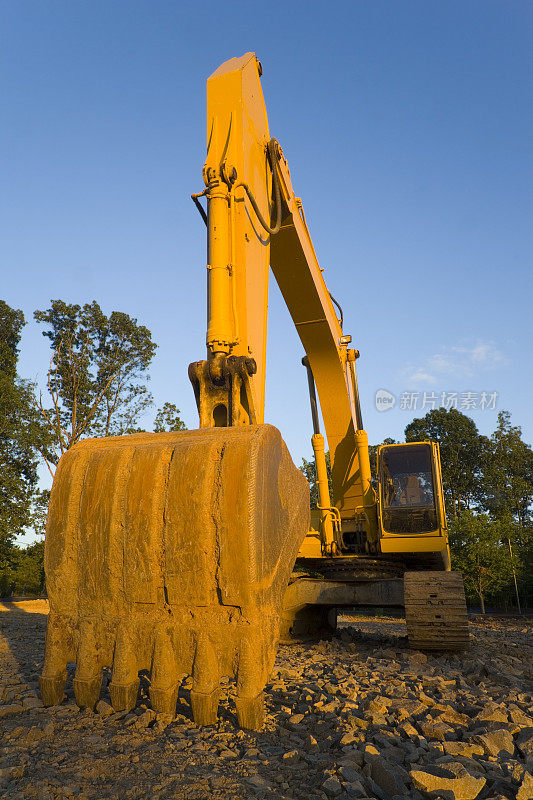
[96, 385]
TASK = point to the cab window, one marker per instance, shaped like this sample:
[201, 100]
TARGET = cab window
[407, 489]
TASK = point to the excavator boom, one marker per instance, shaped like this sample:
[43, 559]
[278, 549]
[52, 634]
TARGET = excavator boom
[248, 186]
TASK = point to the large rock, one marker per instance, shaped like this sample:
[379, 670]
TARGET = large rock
[525, 742]
[403, 708]
[332, 786]
[463, 749]
[496, 743]
[491, 713]
[519, 718]
[436, 730]
[525, 792]
[453, 717]
[389, 777]
[355, 789]
[450, 782]
[11, 708]
[104, 709]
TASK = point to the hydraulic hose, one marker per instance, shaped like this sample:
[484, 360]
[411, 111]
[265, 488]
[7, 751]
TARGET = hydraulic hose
[196, 201]
[272, 155]
[271, 150]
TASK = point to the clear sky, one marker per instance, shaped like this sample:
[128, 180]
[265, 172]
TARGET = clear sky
[408, 130]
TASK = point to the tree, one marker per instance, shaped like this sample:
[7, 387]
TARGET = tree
[41, 498]
[20, 433]
[373, 453]
[463, 451]
[309, 470]
[28, 569]
[96, 380]
[478, 549]
[508, 490]
[508, 479]
[168, 419]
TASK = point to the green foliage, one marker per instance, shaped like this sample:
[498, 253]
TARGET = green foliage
[508, 495]
[19, 432]
[508, 478]
[309, 470]
[373, 454]
[41, 498]
[168, 419]
[462, 451]
[480, 550]
[6, 571]
[97, 375]
[28, 570]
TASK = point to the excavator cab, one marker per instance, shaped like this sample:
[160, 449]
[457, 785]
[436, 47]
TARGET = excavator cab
[410, 500]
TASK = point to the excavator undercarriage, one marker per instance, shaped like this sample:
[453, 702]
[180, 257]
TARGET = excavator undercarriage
[194, 553]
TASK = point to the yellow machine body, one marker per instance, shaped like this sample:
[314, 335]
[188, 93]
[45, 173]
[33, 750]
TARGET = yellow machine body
[174, 552]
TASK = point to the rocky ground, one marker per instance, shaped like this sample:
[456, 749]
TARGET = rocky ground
[359, 716]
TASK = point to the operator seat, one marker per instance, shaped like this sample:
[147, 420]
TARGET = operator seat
[415, 495]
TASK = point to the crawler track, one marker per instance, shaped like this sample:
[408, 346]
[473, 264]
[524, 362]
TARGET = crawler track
[435, 611]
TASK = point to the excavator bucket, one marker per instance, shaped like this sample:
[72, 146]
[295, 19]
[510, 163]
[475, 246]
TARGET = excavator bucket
[171, 553]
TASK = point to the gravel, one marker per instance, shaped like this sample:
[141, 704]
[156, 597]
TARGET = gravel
[358, 716]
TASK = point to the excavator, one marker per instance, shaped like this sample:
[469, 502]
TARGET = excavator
[194, 553]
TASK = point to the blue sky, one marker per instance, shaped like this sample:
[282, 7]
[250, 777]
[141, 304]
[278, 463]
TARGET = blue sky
[407, 127]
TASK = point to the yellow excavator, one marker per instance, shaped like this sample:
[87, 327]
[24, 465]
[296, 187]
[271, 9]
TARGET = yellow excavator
[195, 552]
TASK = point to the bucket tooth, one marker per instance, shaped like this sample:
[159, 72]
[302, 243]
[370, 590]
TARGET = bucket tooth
[165, 685]
[124, 695]
[257, 652]
[251, 711]
[54, 675]
[87, 691]
[88, 678]
[205, 707]
[52, 688]
[205, 693]
[164, 700]
[124, 685]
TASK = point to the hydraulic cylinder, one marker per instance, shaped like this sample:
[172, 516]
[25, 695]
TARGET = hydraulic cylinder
[324, 499]
[220, 333]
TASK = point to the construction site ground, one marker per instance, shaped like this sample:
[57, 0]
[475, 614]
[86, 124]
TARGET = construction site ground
[358, 716]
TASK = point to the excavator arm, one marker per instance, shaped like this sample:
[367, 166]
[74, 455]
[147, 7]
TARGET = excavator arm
[254, 219]
[330, 361]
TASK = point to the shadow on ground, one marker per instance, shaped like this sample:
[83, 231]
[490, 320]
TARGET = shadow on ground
[24, 628]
